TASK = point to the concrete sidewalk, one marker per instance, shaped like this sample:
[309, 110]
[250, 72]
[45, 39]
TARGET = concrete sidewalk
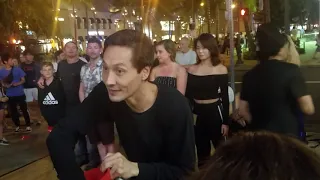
[21, 152]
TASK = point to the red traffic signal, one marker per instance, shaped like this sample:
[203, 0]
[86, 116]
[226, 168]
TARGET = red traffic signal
[244, 11]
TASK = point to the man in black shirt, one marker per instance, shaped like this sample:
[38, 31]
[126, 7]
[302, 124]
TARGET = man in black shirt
[32, 70]
[274, 93]
[154, 124]
[69, 74]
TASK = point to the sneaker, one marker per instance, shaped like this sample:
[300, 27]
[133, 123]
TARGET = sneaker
[28, 129]
[4, 142]
[17, 130]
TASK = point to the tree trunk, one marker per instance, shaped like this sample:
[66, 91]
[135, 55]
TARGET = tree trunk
[208, 15]
[217, 20]
[87, 20]
[251, 44]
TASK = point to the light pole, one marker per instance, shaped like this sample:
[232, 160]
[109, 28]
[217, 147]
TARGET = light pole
[231, 32]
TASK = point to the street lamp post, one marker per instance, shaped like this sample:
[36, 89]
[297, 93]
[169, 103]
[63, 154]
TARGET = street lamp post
[231, 32]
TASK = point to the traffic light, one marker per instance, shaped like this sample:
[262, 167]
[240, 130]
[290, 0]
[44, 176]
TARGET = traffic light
[244, 11]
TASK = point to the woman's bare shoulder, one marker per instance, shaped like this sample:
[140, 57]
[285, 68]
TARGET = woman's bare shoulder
[193, 68]
[221, 69]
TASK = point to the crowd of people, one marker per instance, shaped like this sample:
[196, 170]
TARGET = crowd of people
[142, 110]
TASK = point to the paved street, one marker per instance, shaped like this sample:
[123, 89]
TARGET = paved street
[28, 159]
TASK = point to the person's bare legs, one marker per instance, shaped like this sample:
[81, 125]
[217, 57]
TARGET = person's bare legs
[34, 111]
[3, 141]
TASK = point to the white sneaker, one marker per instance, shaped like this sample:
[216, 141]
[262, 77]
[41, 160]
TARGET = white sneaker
[17, 129]
[4, 142]
[28, 129]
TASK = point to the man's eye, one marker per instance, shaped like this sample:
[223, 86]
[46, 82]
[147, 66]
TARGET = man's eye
[120, 71]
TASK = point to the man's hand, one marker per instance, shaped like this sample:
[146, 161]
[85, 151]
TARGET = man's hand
[41, 83]
[7, 85]
[120, 166]
[224, 130]
[15, 84]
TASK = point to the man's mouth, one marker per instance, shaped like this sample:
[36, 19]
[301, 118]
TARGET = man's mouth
[113, 91]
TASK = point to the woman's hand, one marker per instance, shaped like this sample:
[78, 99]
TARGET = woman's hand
[224, 130]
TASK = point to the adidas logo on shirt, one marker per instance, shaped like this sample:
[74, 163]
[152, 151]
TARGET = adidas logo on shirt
[50, 100]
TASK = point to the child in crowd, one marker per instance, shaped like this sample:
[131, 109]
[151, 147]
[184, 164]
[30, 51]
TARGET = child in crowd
[51, 98]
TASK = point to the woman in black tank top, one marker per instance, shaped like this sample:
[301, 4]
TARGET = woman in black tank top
[168, 72]
[208, 88]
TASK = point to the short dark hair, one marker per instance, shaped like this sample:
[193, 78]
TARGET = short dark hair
[270, 40]
[170, 47]
[28, 51]
[5, 57]
[209, 42]
[71, 42]
[49, 64]
[263, 156]
[56, 54]
[95, 40]
[141, 45]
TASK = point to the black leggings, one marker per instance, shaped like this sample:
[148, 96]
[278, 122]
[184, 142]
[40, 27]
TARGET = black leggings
[13, 104]
[207, 129]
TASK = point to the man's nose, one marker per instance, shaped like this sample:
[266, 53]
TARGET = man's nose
[110, 79]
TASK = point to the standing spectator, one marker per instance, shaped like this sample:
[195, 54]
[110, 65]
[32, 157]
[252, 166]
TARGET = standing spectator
[3, 99]
[69, 74]
[185, 56]
[13, 78]
[58, 56]
[280, 95]
[318, 46]
[168, 72]
[238, 42]
[32, 70]
[51, 97]
[91, 75]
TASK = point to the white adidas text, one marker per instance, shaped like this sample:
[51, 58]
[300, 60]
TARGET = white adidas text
[50, 100]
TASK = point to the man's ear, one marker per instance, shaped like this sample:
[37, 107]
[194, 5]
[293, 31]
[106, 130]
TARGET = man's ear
[145, 73]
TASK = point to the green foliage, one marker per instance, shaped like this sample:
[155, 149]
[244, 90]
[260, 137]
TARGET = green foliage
[251, 4]
[35, 15]
[297, 11]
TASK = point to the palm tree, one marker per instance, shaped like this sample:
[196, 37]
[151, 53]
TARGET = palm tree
[18, 16]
